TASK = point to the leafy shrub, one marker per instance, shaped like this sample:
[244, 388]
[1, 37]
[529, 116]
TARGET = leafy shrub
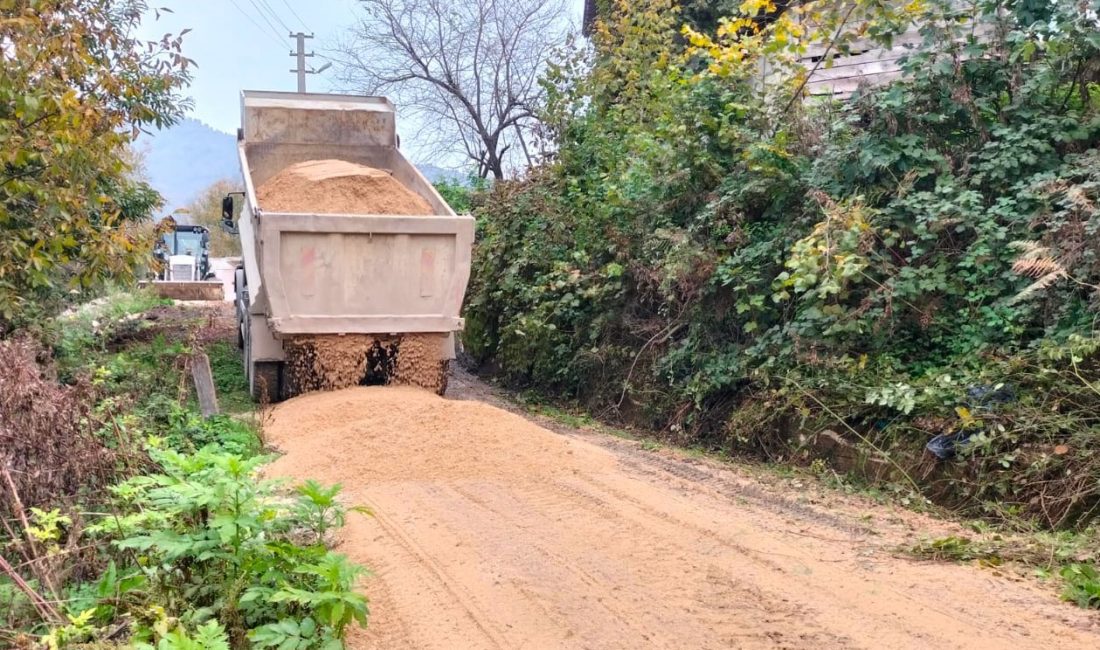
[67, 196]
[1082, 585]
[209, 636]
[215, 543]
[459, 192]
[184, 429]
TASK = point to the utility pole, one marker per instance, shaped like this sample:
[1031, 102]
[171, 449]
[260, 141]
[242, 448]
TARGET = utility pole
[300, 55]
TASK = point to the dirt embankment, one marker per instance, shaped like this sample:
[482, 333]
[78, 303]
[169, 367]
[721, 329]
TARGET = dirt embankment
[491, 532]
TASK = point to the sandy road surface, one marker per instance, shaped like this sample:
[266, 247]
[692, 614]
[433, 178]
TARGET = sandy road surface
[491, 532]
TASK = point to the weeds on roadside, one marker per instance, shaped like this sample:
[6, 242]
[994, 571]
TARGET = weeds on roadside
[1082, 585]
[229, 378]
[319, 510]
[1066, 555]
[198, 555]
[213, 548]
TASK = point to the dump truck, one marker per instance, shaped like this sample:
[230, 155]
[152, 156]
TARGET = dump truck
[376, 277]
[184, 273]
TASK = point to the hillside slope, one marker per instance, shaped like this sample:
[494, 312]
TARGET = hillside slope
[184, 160]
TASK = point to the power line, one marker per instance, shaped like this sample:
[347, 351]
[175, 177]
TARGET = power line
[295, 14]
[263, 16]
[278, 40]
[274, 14]
[267, 31]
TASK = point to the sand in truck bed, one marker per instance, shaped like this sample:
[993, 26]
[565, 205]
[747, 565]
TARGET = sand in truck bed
[338, 187]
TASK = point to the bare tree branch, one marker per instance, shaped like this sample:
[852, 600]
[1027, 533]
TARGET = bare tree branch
[467, 69]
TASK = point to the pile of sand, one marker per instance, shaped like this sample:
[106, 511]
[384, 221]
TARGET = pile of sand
[366, 434]
[338, 187]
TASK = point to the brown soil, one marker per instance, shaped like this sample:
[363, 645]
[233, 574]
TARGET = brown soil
[338, 187]
[492, 532]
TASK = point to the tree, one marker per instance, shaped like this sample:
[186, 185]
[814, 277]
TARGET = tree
[206, 210]
[702, 15]
[75, 88]
[467, 69]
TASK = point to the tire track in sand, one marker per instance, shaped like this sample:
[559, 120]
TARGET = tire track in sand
[493, 532]
[453, 587]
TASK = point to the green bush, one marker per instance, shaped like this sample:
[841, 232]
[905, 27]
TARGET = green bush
[230, 382]
[184, 429]
[458, 193]
[740, 269]
[1082, 585]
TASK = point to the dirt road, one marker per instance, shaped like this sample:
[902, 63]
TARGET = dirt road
[492, 532]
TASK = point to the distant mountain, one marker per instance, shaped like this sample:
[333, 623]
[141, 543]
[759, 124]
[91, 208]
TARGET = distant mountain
[184, 160]
[436, 174]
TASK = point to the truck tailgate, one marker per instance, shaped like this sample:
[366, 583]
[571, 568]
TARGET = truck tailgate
[364, 274]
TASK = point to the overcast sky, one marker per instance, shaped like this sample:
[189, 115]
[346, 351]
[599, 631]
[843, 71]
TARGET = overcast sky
[244, 44]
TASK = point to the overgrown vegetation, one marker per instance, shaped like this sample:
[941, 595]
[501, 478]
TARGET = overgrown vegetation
[135, 522]
[713, 255]
[126, 518]
[459, 193]
[76, 86]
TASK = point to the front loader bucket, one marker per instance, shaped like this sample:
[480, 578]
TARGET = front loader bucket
[187, 291]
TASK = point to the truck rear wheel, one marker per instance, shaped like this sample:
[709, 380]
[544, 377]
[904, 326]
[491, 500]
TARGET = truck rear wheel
[240, 304]
[265, 378]
[267, 381]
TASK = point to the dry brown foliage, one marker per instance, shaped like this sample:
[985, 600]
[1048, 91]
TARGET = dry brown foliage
[1043, 264]
[48, 444]
[50, 455]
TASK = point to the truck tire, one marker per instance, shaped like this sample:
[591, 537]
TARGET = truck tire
[267, 382]
[265, 378]
[240, 304]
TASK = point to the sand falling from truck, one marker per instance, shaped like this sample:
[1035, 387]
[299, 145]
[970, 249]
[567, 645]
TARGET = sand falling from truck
[332, 361]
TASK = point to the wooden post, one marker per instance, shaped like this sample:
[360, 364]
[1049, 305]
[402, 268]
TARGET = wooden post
[204, 384]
